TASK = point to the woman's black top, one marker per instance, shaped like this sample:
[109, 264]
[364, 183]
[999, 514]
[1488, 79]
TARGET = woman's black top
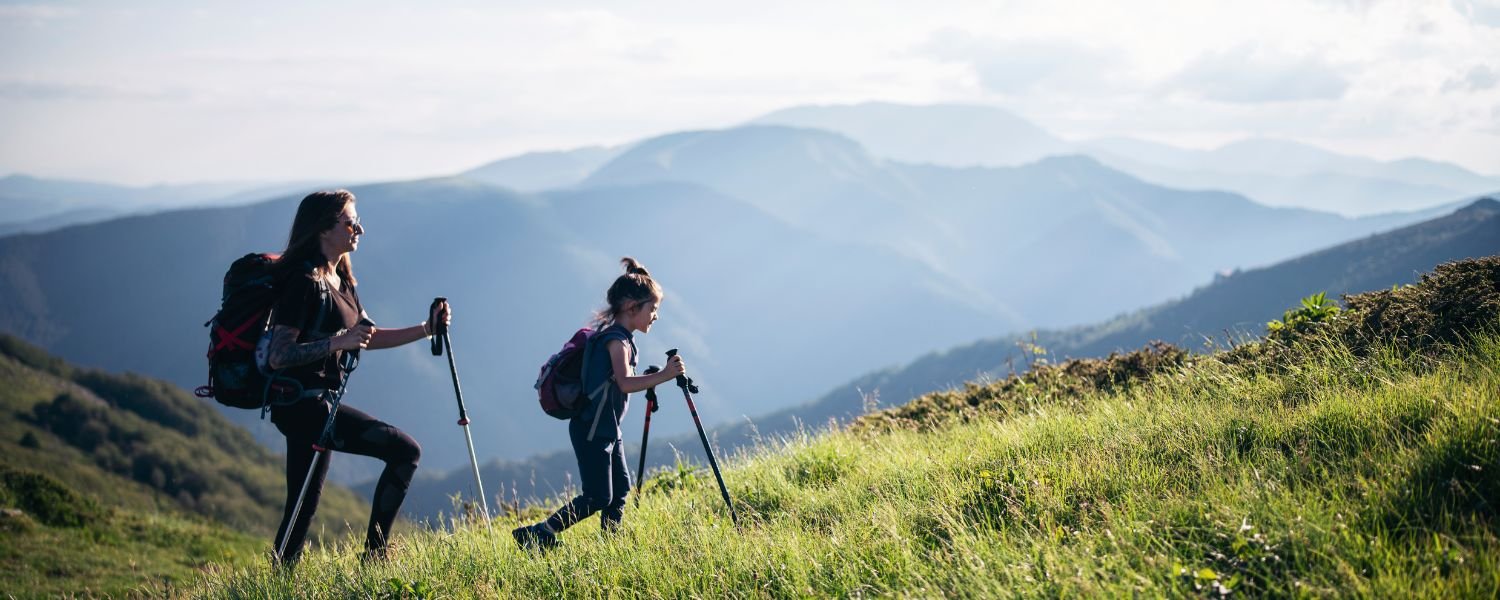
[299, 307]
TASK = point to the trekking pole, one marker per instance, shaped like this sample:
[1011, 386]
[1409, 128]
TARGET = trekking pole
[440, 329]
[321, 451]
[688, 388]
[646, 434]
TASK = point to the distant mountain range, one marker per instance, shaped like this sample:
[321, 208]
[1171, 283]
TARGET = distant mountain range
[1232, 308]
[793, 260]
[33, 204]
[950, 135]
[1027, 241]
[538, 171]
[1271, 172]
[1238, 304]
[523, 272]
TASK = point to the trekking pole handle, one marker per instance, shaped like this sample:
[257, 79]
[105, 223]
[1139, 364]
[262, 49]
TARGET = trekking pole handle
[350, 360]
[683, 381]
[651, 391]
[438, 328]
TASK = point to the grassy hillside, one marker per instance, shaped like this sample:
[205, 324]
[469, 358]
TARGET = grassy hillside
[1241, 303]
[1350, 453]
[55, 541]
[109, 482]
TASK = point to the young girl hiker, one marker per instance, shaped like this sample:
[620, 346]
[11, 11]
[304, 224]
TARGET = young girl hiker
[316, 321]
[609, 374]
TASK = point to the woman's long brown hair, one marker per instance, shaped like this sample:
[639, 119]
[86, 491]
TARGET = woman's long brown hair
[317, 213]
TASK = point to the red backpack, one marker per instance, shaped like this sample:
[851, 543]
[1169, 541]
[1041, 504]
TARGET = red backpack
[559, 386]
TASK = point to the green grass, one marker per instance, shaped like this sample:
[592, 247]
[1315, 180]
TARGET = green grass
[119, 553]
[141, 444]
[136, 491]
[1340, 473]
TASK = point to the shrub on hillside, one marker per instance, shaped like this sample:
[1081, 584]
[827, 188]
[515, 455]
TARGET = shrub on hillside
[1442, 309]
[1065, 383]
[149, 398]
[1445, 307]
[33, 356]
[1316, 311]
[45, 499]
[126, 445]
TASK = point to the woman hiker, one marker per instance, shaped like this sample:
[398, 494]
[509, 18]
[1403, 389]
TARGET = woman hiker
[319, 318]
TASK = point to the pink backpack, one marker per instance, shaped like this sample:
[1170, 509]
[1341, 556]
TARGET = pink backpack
[559, 387]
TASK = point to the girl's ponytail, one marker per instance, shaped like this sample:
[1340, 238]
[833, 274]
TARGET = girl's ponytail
[636, 285]
[634, 267]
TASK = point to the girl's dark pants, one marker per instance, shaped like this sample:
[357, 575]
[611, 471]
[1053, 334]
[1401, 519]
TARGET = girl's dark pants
[606, 481]
[356, 433]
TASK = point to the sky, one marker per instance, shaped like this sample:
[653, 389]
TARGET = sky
[174, 92]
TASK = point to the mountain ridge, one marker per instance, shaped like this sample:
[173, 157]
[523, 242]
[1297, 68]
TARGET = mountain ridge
[1286, 173]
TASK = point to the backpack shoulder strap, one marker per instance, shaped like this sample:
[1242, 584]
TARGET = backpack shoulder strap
[597, 394]
[358, 304]
[325, 300]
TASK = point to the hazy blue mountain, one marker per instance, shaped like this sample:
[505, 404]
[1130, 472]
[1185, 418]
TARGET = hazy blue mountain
[1273, 172]
[1145, 152]
[1294, 158]
[1283, 156]
[799, 175]
[943, 134]
[1025, 239]
[1348, 185]
[537, 171]
[33, 204]
[1241, 303]
[1284, 173]
[747, 295]
[820, 181]
[58, 220]
[1421, 170]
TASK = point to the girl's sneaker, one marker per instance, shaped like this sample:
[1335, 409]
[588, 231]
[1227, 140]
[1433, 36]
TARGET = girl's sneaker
[534, 537]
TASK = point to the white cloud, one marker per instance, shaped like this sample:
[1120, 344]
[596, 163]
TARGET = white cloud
[229, 90]
[1483, 12]
[1250, 74]
[1478, 78]
[1017, 65]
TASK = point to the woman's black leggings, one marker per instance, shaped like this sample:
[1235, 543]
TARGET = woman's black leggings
[356, 433]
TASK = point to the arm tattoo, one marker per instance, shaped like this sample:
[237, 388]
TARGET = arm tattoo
[286, 352]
